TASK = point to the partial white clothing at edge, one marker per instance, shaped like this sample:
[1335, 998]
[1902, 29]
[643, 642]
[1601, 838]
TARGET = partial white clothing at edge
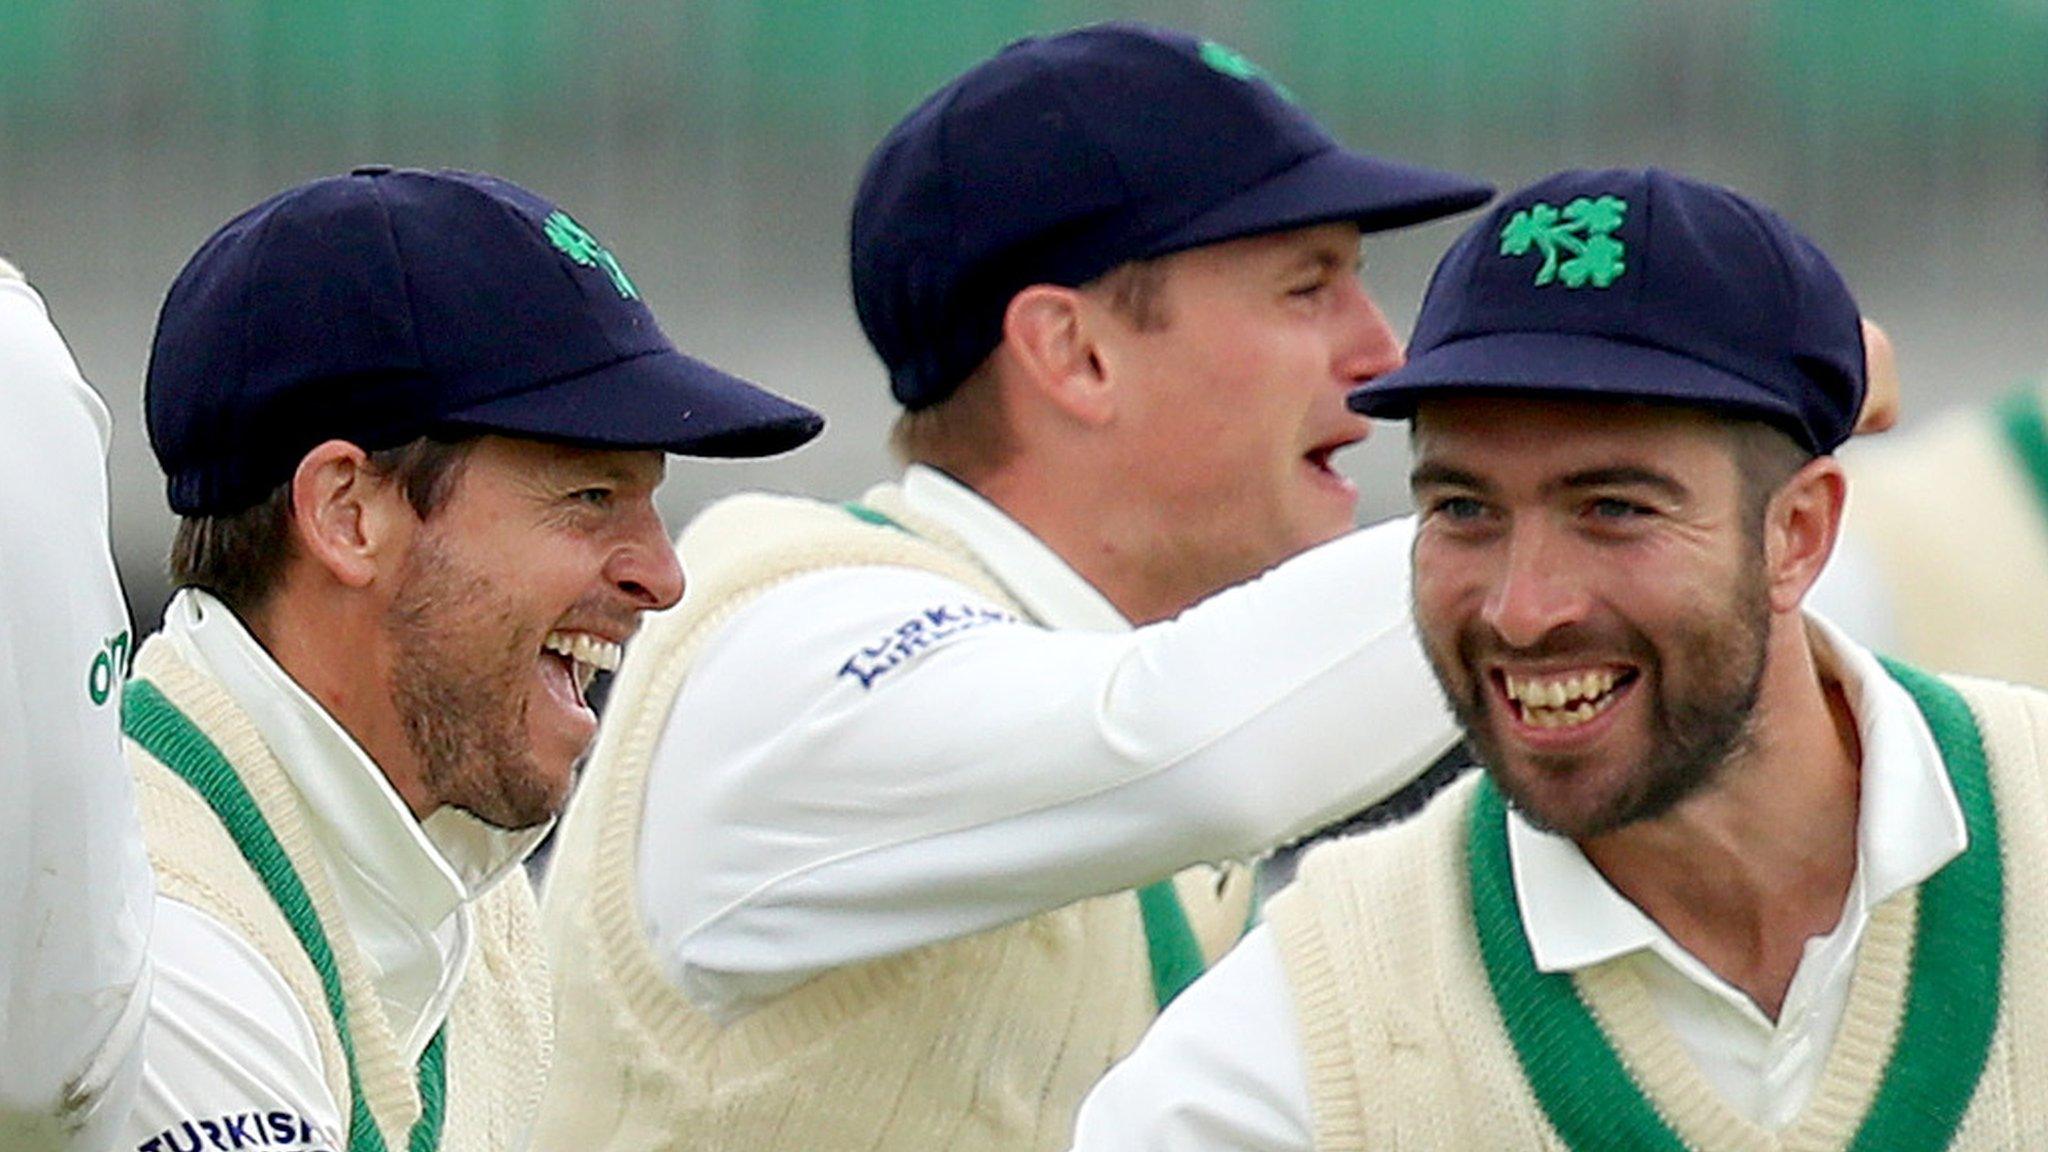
[73, 877]
[1222, 1070]
[1098, 757]
[227, 1038]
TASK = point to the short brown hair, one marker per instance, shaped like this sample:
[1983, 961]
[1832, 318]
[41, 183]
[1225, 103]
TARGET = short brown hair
[1137, 290]
[241, 557]
[965, 433]
[1766, 456]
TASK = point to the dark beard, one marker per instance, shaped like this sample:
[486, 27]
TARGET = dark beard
[1692, 740]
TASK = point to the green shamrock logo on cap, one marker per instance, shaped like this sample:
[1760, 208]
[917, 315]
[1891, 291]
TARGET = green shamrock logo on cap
[1584, 231]
[576, 242]
[1231, 62]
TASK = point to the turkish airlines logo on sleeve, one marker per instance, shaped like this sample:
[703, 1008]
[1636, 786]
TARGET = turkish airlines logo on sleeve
[916, 636]
[277, 1129]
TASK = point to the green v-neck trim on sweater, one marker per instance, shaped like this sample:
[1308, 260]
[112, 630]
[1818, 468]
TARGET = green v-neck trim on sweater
[1952, 999]
[151, 720]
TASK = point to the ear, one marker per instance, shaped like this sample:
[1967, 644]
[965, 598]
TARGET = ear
[1050, 334]
[1881, 382]
[1800, 527]
[346, 519]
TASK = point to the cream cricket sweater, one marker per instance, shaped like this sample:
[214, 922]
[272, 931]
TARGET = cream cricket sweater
[984, 1043]
[1957, 522]
[1408, 1045]
[494, 1050]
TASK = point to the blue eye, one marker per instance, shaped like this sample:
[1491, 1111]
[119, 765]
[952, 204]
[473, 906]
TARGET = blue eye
[1615, 508]
[596, 497]
[1459, 508]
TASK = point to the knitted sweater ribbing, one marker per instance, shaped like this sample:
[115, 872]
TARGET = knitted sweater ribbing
[499, 1026]
[987, 1042]
[1405, 1047]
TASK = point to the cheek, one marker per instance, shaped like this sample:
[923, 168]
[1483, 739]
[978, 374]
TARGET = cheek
[1437, 626]
[1674, 590]
[1187, 445]
[1230, 383]
[565, 569]
[1244, 441]
[1440, 579]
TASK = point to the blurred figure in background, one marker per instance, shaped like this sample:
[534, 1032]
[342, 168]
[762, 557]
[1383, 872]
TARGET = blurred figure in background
[877, 848]
[1946, 541]
[73, 878]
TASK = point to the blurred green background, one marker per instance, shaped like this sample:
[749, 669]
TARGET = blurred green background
[714, 146]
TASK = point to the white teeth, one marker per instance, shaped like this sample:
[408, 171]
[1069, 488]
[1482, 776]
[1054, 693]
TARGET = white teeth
[588, 655]
[585, 648]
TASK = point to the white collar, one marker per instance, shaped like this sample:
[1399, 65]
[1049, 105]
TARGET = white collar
[1909, 824]
[402, 884]
[1049, 589]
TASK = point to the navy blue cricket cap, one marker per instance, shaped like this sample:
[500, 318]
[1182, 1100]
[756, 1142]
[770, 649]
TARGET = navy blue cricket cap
[387, 304]
[1638, 285]
[1062, 157]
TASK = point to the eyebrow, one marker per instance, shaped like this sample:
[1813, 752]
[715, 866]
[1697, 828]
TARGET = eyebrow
[1626, 476]
[579, 470]
[1328, 258]
[1430, 474]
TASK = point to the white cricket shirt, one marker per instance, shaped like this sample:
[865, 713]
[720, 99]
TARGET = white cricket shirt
[1223, 1067]
[227, 1041]
[74, 881]
[797, 822]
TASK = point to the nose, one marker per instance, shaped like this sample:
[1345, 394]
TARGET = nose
[644, 566]
[1369, 349]
[1536, 589]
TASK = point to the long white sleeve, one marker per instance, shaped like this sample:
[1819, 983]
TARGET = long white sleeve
[232, 1059]
[73, 876]
[1221, 1071]
[807, 810]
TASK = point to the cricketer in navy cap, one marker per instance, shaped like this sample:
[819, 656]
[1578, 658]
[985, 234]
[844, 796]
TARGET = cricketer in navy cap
[1716, 835]
[1626, 389]
[413, 423]
[409, 342]
[1114, 275]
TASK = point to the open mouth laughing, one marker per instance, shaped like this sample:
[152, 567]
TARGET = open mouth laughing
[582, 655]
[1566, 698]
